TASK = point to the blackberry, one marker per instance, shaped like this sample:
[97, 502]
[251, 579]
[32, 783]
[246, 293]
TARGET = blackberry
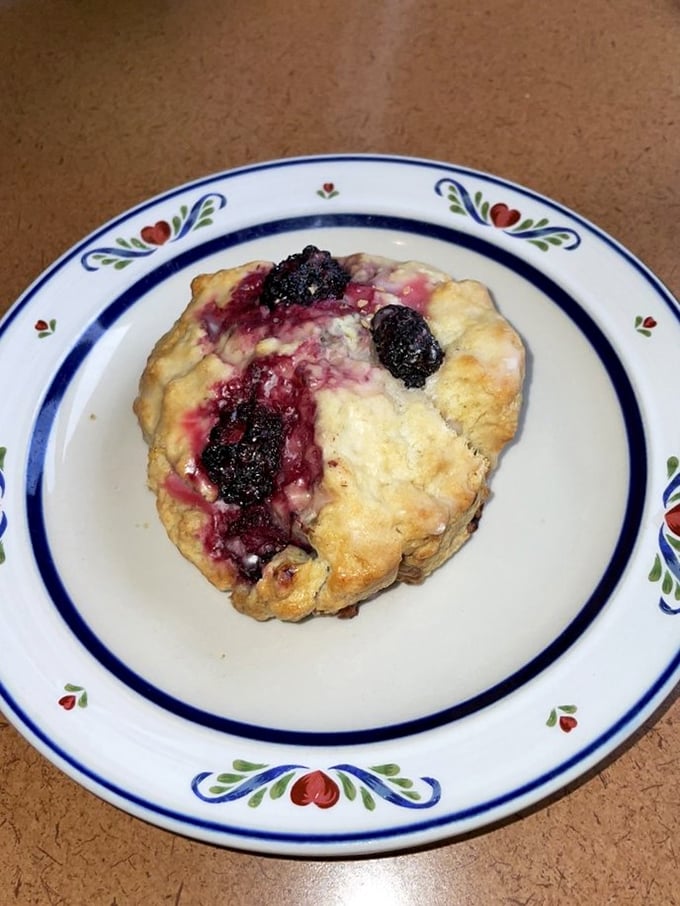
[259, 539]
[405, 345]
[243, 453]
[304, 278]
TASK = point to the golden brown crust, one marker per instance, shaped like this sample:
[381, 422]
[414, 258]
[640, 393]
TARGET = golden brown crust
[405, 471]
[479, 385]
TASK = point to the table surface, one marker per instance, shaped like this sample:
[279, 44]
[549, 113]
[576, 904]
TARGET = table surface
[104, 105]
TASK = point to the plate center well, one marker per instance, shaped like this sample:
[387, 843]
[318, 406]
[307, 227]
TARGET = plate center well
[546, 540]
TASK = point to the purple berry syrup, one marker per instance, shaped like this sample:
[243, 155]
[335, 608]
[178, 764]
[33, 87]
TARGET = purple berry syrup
[249, 533]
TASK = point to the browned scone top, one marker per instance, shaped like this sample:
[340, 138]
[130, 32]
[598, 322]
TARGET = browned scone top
[379, 481]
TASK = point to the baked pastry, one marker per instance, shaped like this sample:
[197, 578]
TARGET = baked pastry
[322, 428]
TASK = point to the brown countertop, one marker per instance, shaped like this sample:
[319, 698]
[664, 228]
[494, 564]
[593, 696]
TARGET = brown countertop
[104, 105]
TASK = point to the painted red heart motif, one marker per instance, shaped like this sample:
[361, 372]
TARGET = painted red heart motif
[41, 325]
[672, 518]
[328, 187]
[67, 702]
[502, 216]
[649, 322]
[315, 787]
[156, 234]
[567, 723]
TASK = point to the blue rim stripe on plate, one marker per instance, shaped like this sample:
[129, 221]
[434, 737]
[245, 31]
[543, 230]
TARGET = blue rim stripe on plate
[627, 720]
[599, 597]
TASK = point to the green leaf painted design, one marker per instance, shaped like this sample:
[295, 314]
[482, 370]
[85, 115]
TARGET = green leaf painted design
[543, 246]
[202, 223]
[412, 794]
[176, 224]
[69, 687]
[279, 787]
[402, 782]
[674, 542]
[348, 786]
[230, 779]
[387, 770]
[257, 797]
[667, 583]
[552, 718]
[568, 709]
[655, 572]
[524, 225]
[367, 799]
[247, 767]
[3, 556]
[672, 465]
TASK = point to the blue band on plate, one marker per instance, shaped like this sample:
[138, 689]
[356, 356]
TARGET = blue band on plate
[605, 587]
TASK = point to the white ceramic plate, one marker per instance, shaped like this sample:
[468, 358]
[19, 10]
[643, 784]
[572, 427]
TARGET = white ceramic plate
[518, 666]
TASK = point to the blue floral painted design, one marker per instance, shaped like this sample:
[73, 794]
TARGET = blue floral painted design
[322, 788]
[152, 237]
[666, 566]
[499, 215]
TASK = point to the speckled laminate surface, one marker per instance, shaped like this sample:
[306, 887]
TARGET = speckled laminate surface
[103, 105]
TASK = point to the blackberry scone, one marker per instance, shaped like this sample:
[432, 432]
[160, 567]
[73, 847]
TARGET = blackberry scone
[321, 428]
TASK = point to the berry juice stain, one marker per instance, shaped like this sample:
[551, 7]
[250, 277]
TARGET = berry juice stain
[244, 307]
[261, 455]
[253, 442]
